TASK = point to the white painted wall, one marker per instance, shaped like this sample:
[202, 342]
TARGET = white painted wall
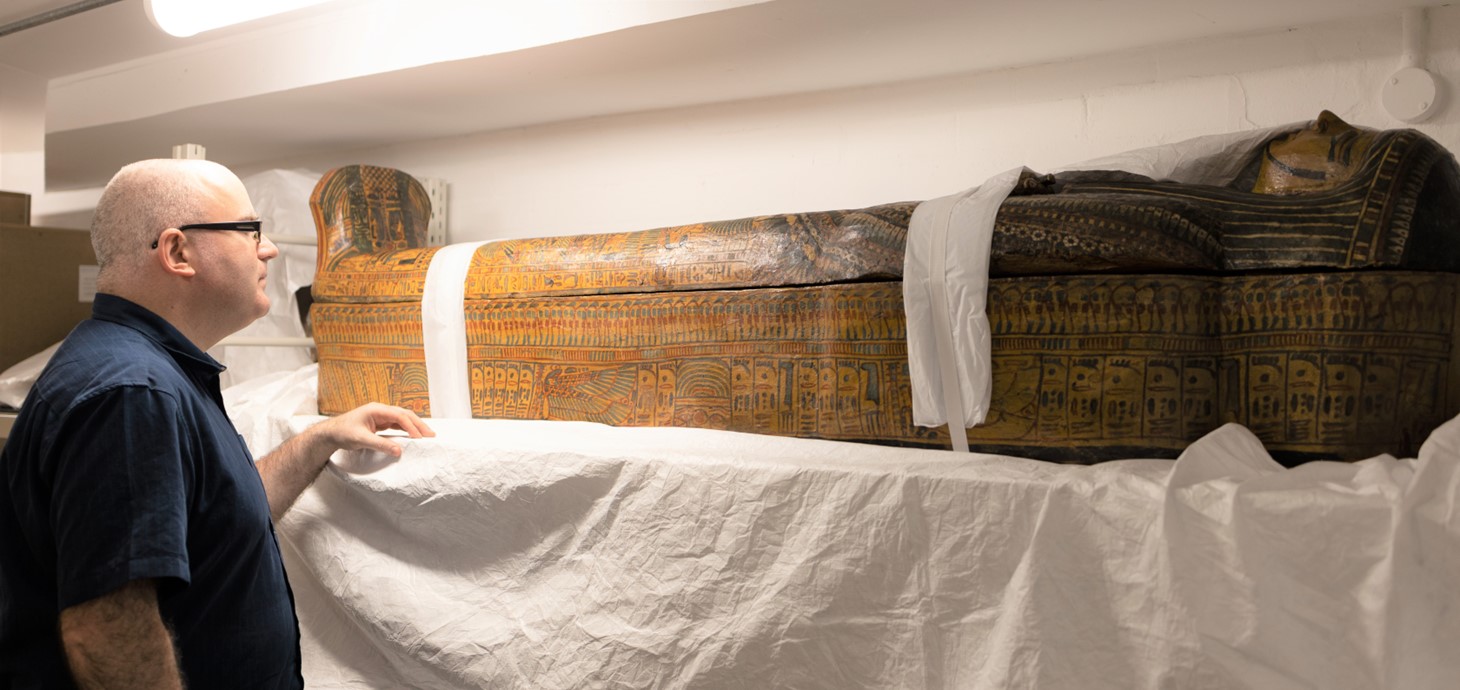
[907, 141]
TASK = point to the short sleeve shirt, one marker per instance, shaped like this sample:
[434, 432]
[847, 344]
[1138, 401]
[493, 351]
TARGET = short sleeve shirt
[123, 465]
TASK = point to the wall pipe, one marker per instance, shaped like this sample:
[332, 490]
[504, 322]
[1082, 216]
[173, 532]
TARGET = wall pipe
[1411, 47]
[1411, 94]
[52, 15]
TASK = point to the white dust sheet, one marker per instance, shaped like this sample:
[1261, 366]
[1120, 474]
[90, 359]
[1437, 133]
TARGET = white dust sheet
[512, 554]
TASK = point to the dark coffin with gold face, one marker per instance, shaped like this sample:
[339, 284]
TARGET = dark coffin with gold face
[1129, 316]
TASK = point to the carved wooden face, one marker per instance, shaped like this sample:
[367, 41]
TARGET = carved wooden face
[1316, 158]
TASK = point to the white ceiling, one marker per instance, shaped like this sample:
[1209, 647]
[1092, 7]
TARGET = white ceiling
[121, 90]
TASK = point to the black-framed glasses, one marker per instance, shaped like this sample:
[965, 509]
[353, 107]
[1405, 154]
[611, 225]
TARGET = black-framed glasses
[254, 226]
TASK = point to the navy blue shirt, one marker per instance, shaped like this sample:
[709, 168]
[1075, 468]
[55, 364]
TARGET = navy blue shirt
[122, 465]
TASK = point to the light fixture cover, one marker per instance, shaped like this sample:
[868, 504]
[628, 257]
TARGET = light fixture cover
[185, 18]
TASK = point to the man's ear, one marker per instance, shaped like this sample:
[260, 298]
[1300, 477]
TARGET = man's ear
[174, 253]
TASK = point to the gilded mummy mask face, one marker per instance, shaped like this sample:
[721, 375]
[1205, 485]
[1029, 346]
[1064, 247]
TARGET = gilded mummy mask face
[1316, 158]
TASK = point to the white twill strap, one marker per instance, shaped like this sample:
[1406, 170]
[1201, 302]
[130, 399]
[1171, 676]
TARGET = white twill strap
[953, 408]
[443, 331]
[946, 305]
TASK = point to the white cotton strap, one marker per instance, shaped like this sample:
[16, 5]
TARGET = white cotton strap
[953, 407]
[443, 331]
[945, 290]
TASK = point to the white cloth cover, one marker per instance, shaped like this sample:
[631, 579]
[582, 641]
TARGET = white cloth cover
[16, 382]
[945, 270]
[512, 554]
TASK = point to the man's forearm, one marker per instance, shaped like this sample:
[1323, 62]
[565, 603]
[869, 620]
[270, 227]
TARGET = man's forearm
[119, 641]
[290, 469]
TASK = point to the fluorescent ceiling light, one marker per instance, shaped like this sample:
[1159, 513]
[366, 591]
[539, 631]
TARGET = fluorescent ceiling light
[184, 18]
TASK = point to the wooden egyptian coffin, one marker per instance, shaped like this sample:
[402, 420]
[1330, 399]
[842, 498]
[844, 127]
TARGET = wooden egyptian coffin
[1129, 316]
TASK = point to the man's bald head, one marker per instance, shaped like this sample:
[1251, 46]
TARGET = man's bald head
[145, 198]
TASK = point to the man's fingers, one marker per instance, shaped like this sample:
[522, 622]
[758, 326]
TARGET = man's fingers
[381, 444]
[407, 421]
[359, 428]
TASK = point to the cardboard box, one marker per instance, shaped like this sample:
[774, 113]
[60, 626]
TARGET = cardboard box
[44, 273]
[15, 208]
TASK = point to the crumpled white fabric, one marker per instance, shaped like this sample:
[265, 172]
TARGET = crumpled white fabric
[16, 381]
[532, 554]
[1328, 575]
[945, 282]
[1199, 160]
[260, 408]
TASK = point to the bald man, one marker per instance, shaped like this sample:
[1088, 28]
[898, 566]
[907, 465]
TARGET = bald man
[136, 531]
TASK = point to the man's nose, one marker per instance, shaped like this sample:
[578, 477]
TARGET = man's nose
[267, 249]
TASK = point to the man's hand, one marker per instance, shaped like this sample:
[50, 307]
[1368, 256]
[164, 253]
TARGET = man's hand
[293, 466]
[359, 429]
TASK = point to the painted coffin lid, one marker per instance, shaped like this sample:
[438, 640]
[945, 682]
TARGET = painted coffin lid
[360, 263]
[1400, 208]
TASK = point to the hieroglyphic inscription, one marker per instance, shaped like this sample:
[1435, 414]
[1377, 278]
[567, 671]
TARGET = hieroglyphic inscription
[376, 278]
[1343, 365]
[1086, 364]
[826, 362]
[370, 353]
[1350, 361]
